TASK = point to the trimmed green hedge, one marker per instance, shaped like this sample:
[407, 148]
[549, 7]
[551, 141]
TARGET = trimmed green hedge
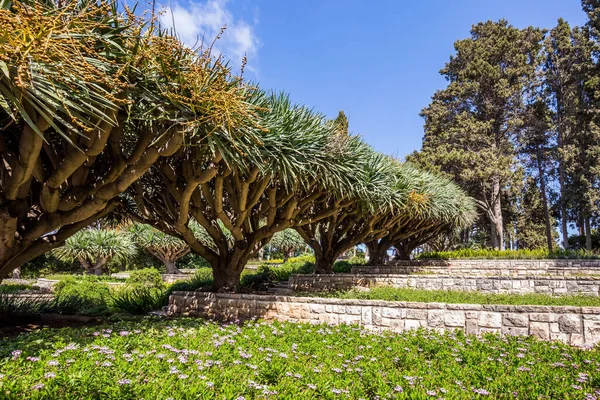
[525, 254]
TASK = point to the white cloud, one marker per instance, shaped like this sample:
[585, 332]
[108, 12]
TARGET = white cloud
[197, 20]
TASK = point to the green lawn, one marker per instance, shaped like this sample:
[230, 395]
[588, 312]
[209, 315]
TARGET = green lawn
[195, 359]
[446, 296]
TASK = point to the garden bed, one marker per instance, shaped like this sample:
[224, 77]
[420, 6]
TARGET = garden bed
[187, 358]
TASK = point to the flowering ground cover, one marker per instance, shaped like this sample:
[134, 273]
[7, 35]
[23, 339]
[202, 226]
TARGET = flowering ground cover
[389, 293]
[192, 358]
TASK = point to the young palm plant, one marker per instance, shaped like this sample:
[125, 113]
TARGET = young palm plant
[95, 248]
[166, 248]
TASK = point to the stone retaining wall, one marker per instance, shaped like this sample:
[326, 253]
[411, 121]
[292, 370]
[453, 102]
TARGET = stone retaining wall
[487, 267]
[556, 286]
[574, 325]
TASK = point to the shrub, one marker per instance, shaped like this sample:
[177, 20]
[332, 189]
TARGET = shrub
[524, 254]
[13, 288]
[137, 299]
[84, 296]
[202, 277]
[277, 273]
[11, 306]
[147, 277]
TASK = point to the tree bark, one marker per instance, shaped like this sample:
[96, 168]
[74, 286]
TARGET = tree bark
[376, 253]
[588, 234]
[544, 198]
[324, 261]
[403, 252]
[171, 267]
[99, 266]
[226, 276]
[496, 221]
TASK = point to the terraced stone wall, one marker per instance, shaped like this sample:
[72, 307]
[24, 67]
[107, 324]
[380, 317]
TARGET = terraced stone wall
[578, 326]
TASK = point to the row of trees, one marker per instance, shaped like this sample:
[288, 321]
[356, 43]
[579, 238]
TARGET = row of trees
[110, 114]
[517, 128]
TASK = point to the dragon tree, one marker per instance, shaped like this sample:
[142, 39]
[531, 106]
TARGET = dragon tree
[241, 196]
[446, 208]
[98, 97]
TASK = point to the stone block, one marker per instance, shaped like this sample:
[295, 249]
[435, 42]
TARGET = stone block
[541, 330]
[454, 319]
[515, 320]
[353, 310]
[576, 339]
[366, 316]
[569, 323]
[541, 317]
[376, 314]
[416, 314]
[413, 323]
[394, 313]
[591, 331]
[435, 318]
[489, 319]
[471, 327]
[515, 331]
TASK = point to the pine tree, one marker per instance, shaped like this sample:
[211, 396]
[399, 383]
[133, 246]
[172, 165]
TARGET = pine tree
[470, 125]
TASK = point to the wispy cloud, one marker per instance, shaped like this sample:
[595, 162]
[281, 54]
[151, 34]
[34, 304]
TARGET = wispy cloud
[196, 20]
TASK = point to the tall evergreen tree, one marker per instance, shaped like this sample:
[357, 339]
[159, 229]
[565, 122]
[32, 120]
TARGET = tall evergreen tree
[470, 125]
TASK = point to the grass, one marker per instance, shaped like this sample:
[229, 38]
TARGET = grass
[13, 288]
[388, 293]
[194, 359]
[524, 254]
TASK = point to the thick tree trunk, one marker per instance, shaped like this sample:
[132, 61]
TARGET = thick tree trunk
[16, 274]
[87, 266]
[171, 267]
[226, 277]
[324, 261]
[544, 198]
[376, 253]
[588, 234]
[100, 265]
[403, 252]
[286, 256]
[496, 221]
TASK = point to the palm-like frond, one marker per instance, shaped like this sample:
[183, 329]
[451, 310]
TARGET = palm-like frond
[92, 244]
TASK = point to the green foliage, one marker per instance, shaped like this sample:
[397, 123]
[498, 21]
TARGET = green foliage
[577, 242]
[525, 254]
[96, 247]
[295, 361]
[277, 273]
[47, 264]
[137, 299]
[84, 296]
[13, 288]
[389, 293]
[11, 306]
[192, 261]
[202, 278]
[148, 278]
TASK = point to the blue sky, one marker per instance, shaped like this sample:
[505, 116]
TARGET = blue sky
[378, 61]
